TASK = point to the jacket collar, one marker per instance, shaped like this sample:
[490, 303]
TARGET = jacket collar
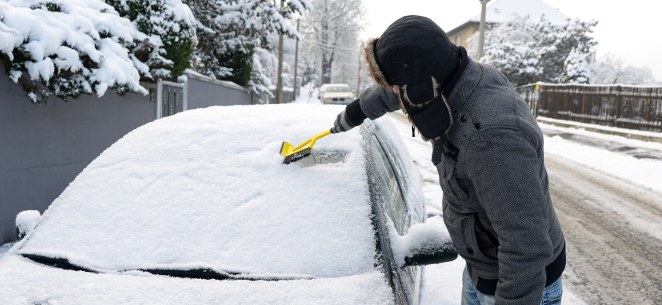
[465, 86]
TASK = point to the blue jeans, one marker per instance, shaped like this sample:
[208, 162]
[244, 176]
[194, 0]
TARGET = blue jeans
[471, 295]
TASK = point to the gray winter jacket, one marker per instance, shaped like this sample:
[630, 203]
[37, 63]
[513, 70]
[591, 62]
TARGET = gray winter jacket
[496, 201]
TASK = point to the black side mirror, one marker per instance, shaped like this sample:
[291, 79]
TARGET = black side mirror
[424, 244]
[429, 256]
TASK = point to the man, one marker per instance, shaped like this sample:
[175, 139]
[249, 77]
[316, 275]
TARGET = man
[488, 150]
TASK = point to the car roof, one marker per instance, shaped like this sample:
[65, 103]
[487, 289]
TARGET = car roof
[206, 188]
[329, 85]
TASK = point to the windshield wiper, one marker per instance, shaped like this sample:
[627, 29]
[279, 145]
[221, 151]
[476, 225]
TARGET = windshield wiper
[61, 263]
[202, 273]
[209, 274]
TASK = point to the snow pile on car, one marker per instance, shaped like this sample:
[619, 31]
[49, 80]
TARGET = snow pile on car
[420, 237]
[207, 189]
[28, 283]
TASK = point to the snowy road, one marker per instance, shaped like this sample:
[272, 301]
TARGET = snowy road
[613, 230]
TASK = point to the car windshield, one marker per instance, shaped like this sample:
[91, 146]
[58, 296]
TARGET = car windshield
[338, 89]
[207, 189]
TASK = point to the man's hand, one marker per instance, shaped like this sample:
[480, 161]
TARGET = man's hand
[352, 116]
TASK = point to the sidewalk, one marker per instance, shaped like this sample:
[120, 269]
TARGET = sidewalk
[648, 136]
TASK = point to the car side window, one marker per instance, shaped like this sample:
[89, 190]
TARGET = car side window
[389, 188]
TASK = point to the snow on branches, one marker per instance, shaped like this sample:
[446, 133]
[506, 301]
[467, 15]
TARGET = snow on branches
[74, 47]
[70, 46]
[575, 69]
[527, 51]
[230, 30]
[170, 26]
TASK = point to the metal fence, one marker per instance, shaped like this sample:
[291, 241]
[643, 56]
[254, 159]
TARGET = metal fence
[631, 107]
[171, 100]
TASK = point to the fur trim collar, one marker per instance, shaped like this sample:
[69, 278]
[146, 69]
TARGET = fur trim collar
[373, 67]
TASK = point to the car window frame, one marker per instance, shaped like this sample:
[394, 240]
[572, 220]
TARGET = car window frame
[411, 274]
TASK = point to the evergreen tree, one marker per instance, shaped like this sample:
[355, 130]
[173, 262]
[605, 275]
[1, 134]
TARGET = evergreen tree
[237, 27]
[528, 52]
[556, 44]
[170, 26]
[511, 48]
[67, 48]
[575, 68]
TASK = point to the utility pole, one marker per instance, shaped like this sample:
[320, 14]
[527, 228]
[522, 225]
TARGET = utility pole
[481, 35]
[296, 57]
[358, 85]
[279, 89]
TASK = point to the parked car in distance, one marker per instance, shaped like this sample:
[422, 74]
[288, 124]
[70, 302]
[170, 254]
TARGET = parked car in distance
[321, 90]
[198, 208]
[337, 94]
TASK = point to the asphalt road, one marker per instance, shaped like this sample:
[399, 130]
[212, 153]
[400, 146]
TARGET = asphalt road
[613, 231]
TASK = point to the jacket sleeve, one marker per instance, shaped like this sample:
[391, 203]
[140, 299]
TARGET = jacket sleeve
[376, 101]
[505, 171]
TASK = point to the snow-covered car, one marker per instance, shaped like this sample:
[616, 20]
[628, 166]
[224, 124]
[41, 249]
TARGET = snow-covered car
[320, 91]
[337, 94]
[198, 208]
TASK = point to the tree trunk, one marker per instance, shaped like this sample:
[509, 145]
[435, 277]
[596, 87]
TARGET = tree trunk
[279, 89]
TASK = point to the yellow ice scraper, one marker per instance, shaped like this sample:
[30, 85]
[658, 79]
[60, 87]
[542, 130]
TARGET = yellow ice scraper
[303, 150]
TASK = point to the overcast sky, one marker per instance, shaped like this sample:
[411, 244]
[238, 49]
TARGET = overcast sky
[629, 29]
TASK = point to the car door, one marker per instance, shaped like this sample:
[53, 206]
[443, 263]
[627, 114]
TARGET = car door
[388, 201]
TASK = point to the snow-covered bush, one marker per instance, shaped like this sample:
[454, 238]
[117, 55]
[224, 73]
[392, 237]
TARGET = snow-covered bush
[71, 47]
[511, 47]
[170, 26]
[527, 51]
[259, 82]
[575, 69]
[238, 27]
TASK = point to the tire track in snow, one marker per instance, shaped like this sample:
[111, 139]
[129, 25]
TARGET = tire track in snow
[613, 231]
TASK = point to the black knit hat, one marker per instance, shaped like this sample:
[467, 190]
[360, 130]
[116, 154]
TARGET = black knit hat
[410, 51]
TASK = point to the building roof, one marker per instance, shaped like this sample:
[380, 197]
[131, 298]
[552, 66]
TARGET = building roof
[498, 10]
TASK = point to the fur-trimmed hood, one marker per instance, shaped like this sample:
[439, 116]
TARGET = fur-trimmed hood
[412, 51]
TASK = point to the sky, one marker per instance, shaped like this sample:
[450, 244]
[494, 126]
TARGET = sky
[629, 30]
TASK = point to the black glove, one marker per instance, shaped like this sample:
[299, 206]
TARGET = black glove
[352, 116]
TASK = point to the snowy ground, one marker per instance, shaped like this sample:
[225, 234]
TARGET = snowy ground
[4, 248]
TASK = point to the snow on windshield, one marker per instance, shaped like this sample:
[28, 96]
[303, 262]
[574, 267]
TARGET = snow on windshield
[207, 188]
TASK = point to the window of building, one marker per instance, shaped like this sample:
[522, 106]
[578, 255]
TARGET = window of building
[458, 40]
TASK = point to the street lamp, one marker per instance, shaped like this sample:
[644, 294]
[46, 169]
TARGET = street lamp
[481, 34]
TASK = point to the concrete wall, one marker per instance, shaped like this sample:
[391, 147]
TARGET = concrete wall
[203, 92]
[44, 147]
[288, 96]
